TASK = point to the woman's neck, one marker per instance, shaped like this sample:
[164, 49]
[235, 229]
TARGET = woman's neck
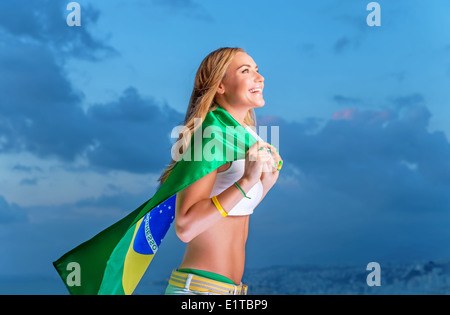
[238, 114]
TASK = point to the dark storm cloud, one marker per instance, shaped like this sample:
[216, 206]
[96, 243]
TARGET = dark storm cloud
[399, 161]
[131, 134]
[367, 185]
[41, 113]
[44, 21]
[39, 110]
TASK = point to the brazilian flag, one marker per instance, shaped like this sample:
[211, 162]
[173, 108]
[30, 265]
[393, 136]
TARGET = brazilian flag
[114, 261]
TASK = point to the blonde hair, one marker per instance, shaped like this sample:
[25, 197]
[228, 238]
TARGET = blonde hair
[209, 75]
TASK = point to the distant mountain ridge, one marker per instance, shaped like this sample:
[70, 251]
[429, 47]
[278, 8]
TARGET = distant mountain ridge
[399, 278]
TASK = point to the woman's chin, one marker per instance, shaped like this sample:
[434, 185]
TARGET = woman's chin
[256, 101]
[258, 104]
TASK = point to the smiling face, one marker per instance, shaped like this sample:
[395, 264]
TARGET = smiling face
[242, 85]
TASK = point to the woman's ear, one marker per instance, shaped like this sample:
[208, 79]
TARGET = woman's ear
[221, 89]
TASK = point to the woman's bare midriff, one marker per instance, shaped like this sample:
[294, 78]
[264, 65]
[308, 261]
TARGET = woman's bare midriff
[220, 249]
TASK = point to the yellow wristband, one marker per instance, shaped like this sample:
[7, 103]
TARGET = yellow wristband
[218, 206]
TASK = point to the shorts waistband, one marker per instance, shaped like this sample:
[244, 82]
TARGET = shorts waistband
[202, 284]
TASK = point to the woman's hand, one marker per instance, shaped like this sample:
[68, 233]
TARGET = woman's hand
[257, 160]
[271, 170]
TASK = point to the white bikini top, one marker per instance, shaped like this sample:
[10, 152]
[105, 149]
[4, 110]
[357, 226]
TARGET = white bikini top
[227, 178]
[234, 173]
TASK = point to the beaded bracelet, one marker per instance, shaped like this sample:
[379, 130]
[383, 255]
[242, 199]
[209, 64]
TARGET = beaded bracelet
[239, 187]
[280, 165]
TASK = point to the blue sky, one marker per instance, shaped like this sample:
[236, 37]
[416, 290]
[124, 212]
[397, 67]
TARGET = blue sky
[86, 114]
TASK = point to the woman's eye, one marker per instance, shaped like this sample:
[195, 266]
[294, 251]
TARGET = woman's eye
[247, 71]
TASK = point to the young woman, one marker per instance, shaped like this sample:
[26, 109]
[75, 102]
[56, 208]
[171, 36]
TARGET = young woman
[215, 252]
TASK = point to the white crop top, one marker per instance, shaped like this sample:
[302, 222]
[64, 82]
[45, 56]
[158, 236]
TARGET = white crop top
[227, 178]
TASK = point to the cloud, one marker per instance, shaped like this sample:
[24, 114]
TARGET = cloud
[118, 200]
[30, 243]
[44, 21]
[367, 183]
[29, 181]
[47, 120]
[363, 145]
[341, 44]
[127, 133]
[415, 99]
[10, 213]
[351, 18]
[41, 111]
[345, 100]
[26, 168]
[131, 134]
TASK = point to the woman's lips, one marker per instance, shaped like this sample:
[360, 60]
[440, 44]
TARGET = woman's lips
[257, 89]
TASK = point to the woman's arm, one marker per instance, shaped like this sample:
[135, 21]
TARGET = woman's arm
[195, 212]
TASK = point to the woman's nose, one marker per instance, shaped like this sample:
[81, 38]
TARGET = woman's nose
[259, 77]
